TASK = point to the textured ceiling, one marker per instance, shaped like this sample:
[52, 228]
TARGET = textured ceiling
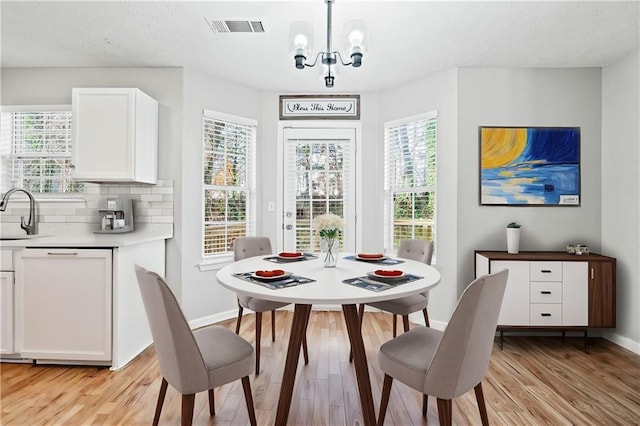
[407, 39]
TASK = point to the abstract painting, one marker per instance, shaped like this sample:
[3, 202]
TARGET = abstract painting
[530, 166]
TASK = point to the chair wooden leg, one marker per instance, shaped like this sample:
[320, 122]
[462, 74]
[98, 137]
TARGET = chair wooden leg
[258, 334]
[425, 405]
[386, 392]
[481, 405]
[395, 325]
[212, 403]
[426, 317]
[163, 392]
[273, 325]
[444, 411]
[188, 401]
[405, 322]
[246, 385]
[360, 318]
[239, 320]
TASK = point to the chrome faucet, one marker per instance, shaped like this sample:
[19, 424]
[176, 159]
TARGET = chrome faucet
[30, 226]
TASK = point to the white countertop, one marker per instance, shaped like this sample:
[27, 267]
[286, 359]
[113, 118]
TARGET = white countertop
[138, 236]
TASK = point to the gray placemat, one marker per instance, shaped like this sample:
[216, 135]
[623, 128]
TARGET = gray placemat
[277, 259]
[380, 284]
[289, 281]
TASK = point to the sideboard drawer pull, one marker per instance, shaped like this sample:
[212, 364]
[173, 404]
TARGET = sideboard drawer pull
[545, 292]
[545, 271]
[544, 314]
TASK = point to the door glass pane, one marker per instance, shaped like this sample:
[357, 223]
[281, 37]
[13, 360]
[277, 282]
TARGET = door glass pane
[319, 188]
[319, 178]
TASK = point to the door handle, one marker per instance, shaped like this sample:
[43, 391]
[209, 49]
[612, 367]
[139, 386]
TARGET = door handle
[288, 227]
[545, 292]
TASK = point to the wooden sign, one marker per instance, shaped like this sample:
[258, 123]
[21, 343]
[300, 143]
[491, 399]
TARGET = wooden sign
[320, 107]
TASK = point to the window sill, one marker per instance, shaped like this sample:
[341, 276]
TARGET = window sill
[216, 263]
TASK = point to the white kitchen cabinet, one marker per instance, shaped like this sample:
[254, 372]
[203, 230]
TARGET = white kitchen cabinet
[115, 135]
[6, 315]
[64, 305]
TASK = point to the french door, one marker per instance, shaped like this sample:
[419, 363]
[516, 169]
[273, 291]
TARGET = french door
[319, 177]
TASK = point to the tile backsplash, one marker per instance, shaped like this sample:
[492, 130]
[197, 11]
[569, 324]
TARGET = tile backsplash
[152, 204]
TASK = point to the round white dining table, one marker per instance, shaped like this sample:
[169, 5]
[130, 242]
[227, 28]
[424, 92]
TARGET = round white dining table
[327, 288]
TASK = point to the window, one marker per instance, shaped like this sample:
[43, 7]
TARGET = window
[410, 179]
[35, 146]
[228, 181]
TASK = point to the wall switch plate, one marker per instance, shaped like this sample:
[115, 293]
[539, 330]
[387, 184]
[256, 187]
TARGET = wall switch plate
[271, 206]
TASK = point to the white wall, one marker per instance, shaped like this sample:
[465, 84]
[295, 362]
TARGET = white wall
[202, 296]
[436, 92]
[621, 190]
[527, 97]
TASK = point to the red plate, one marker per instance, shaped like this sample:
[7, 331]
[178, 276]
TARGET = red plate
[370, 256]
[290, 255]
[386, 273]
[274, 274]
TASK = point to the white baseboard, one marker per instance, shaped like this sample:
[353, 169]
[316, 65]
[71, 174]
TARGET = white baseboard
[625, 342]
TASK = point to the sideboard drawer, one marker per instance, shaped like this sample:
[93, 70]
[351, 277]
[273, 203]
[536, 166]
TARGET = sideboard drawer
[546, 292]
[545, 314]
[546, 271]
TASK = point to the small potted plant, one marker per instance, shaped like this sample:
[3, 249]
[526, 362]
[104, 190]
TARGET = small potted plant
[513, 237]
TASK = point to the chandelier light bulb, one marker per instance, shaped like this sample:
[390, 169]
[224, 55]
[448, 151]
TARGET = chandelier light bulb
[356, 38]
[301, 41]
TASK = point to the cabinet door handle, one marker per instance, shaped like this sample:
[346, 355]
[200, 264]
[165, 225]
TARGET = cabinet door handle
[545, 315]
[545, 292]
[592, 273]
[545, 271]
[62, 254]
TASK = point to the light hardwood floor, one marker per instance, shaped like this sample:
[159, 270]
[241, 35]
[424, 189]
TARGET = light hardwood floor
[533, 381]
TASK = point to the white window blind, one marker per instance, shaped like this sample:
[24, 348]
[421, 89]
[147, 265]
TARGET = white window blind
[410, 179]
[36, 151]
[228, 181]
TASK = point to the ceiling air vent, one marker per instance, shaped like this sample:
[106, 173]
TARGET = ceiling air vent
[236, 26]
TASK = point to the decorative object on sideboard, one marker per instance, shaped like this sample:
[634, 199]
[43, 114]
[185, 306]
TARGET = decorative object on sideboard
[578, 249]
[513, 237]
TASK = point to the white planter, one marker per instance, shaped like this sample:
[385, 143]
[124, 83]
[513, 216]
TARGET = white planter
[513, 240]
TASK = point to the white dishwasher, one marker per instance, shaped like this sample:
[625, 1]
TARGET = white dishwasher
[63, 305]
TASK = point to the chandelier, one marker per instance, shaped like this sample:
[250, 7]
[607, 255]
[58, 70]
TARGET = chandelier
[301, 40]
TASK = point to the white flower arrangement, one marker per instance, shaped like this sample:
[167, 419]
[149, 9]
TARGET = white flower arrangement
[328, 225]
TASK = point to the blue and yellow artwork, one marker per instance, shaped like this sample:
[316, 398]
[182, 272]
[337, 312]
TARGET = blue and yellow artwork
[530, 166]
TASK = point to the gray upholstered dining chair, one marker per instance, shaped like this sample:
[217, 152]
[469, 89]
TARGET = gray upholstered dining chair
[244, 247]
[422, 251]
[446, 364]
[192, 361]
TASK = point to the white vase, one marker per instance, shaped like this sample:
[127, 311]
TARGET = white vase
[513, 240]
